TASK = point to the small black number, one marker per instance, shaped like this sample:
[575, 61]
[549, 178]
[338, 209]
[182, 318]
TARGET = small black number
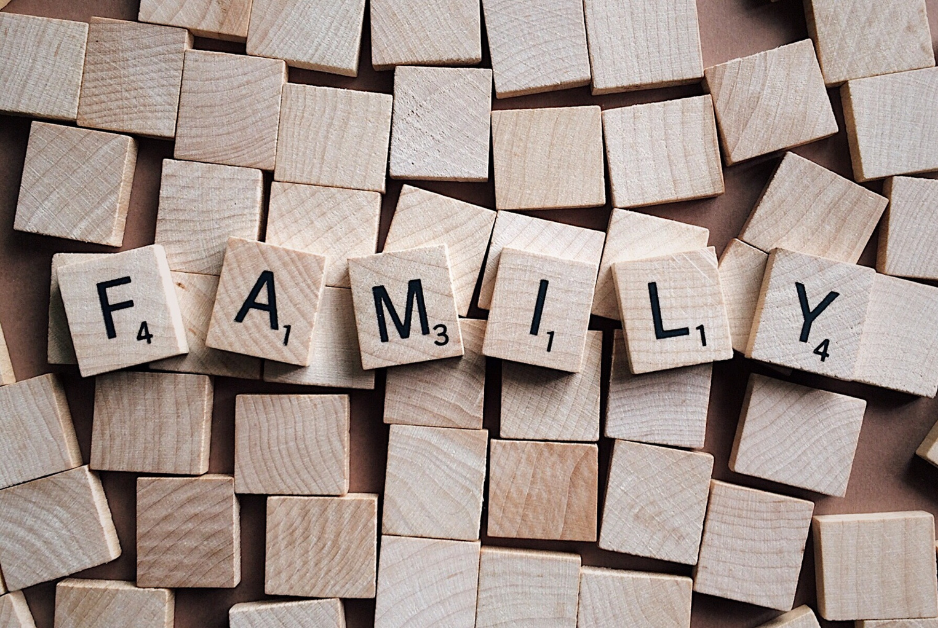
[550, 340]
[144, 333]
[822, 349]
[286, 337]
[441, 332]
[703, 335]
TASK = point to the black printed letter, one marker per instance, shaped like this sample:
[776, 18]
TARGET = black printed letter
[660, 332]
[108, 308]
[265, 280]
[414, 293]
[539, 307]
[809, 314]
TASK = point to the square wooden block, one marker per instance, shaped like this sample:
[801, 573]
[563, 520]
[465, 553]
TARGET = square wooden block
[663, 152]
[152, 423]
[929, 447]
[753, 544]
[307, 613]
[322, 546]
[876, 566]
[742, 268]
[60, 348]
[76, 184]
[229, 109]
[219, 19]
[267, 301]
[54, 527]
[611, 598]
[425, 32]
[543, 490]
[425, 583]
[7, 376]
[801, 617]
[14, 611]
[907, 234]
[188, 533]
[334, 137]
[770, 101]
[107, 603]
[548, 158]
[797, 435]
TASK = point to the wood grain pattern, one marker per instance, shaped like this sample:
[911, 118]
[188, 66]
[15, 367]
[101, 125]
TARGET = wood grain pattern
[425, 32]
[7, 376]
[305, 613]
[610, 598]
[801, 617]
[898, 623]
[742, 268]
[111, 603]
[905, 238]
[220, 19]
[14, 611]
[60, 349]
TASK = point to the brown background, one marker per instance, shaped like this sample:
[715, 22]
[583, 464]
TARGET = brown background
[886, 474]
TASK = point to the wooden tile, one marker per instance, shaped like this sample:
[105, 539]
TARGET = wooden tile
[412, 288]
[322, 546]
[543, 490]
[611, 598]
[152, 423]
[929, 448]
[188, 532]
[322, 36]
[801, 617]
[292, 444]
[445, 393]
[905, 239]
[425, 32]
[219, 19]
[54, 527]
[334, 137]
[876, 566]
[426, 583]
[542, 404]
[106, 603]
[527, 588]
[770, 101]
[7, 376]
[656, 499]
[898, 623]
[548, 158]
[60, 348]
[536, 45]
[425, 218]
[307, 613]
[797, 435]
[742, 268]
[332, 222]
[229, 109]
[122, 310]
[662, 152]
[132, 77]
[744, 527]
[14, 611]
[267, 301]
[76, 184]
[41, 64]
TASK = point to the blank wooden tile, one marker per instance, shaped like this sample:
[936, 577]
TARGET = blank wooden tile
[305, 613]
[876, 566]
[801, 617]
[323, 36]
[662, 152]
[425, 583]
[753, 544]
[53, 527]
[610, 598]
[229, 109]
[907, 234]
[14, 611]
[543, 490]
[107, 603]
[60, 349]
[188, 532]
[267, 301]
[898, 623]
[742, 268]
[322, 546]
[425, 32]
[7, 376]
[41, 64]
[76, 184]
[334, 137]
[929, 447]
[770, 101]
[219, 19]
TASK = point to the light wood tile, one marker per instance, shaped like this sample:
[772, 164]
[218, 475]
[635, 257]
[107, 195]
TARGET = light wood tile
[219, 19]
[425, 32]
[611, 598]
[7, 376]
[742, 268]
[898, 623]
[801, 617]
[305, 613]
[908, 231]
[60, 348]
[14, 611]
[107, 603]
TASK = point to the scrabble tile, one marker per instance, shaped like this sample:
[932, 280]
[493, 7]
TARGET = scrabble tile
[14, 611]
[122, 310]
[292, 444]
[898, 623]
[548, 158]
[424, 218]
[527, 588]
[905, 239]
[426, 583]
[662, 408]
[334, 137]
[770, 101]
[76, 184]
[662, 152]
[306, 613]
[810, 314]
[267, 301]
[610, 598]
[656, 499]
[322, 546]
[7, 376]
[809, 209]
[323, 36]
[425, 32]
[229, 109]
[434, 481]
[801, 617]
[929, 447]
[132, 77]
[200, 207]
[868, 38]
[444, 393]
[60, 348]
[397, 286]
[219, 19]
[631, 236]
[53, 527]
[188, 533]
[536, 45]
[741, 268]
[798, 436]
[744, 527]
[543, 490]
[332, 222]
[41, 67]
[876, 566]
[106, 603]
[542, 404]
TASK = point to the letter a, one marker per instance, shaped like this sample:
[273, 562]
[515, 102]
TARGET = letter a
[266, 280]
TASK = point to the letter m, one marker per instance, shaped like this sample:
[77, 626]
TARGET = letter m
[382, 300]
